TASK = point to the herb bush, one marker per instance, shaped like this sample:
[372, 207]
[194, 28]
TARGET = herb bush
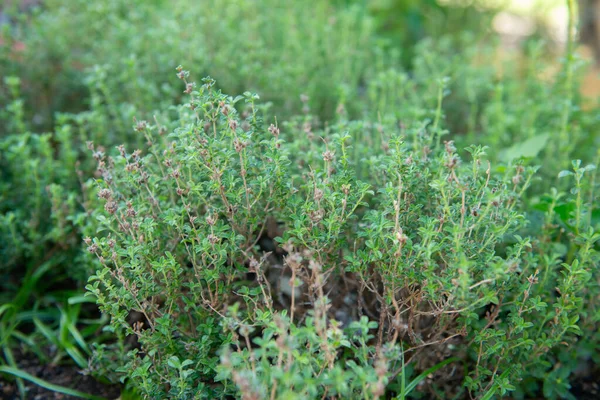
[260, 261]
[283, 48]
[517, 106]
[250, 259]
[33, 174]
[42, 265]
[116, 55]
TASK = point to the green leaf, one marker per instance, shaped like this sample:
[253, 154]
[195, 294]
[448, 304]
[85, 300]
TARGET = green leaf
[564, 173]
[489, 394]
[47, 332]
[82, 298]
[174, 362]
[530, 148]
[413, 384]
[47, 385]
[5, 307]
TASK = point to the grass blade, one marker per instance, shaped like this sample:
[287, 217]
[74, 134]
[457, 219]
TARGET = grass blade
[413, 384]
[489, 394]
[5, 307]
[82, 298]
[46, 331]
[11, 360]
[47, 385]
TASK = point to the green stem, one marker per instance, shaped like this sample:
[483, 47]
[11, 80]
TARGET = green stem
[568, 83]
[438, 113]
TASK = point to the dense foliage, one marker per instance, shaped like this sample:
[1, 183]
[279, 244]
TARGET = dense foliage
[376, 222]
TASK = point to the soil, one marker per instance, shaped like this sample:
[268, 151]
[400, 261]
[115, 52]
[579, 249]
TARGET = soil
[67, 376]
[586, 388]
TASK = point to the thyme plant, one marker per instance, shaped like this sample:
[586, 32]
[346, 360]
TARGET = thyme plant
[249, 258]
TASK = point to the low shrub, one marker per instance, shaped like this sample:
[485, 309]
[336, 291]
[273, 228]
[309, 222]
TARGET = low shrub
[250, 259]
[37, 202]
[346, 235]
[284, 49]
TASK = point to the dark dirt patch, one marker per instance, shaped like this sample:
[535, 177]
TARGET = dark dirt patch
[67, 376]
[586, 389]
